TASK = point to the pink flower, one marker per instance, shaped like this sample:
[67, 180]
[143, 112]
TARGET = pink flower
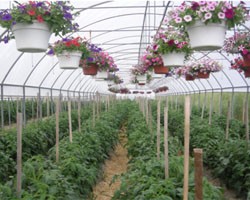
[208, 15]
[211, 8]
[181, 8]
[245, 51]
[229, 13]
[187, 18]
[178, 20]
[221, 15]
[203, 9]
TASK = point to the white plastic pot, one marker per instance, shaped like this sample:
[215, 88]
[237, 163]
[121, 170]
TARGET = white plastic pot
[33, 37]
[101, 75]
[173, 59]
[206, 37]
[69, 60]
[157, 76]
[142, 79]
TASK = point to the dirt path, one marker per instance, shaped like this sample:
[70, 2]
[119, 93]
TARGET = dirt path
[115, 165]
[228, 194]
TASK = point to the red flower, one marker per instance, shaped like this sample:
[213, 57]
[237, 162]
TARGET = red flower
[31, 12]
[229, 13]
[171, 42]
[40, 18]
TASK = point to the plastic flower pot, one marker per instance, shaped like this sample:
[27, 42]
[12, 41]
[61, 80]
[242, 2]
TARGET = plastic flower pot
[69, 60]
[189, 77]
[33, 38]
[203, 75]
[206, 37]
[142, 79]
[156, 76]
[173, 59]
[101, 75]
[91, 69]
[160, 69]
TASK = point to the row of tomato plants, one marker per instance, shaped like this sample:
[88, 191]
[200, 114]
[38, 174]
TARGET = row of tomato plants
[228, 159]
[145, 178]
[79, 165]
[38, 137]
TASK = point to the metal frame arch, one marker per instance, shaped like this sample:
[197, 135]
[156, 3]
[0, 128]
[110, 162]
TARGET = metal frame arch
[73, 71]
[74, 80]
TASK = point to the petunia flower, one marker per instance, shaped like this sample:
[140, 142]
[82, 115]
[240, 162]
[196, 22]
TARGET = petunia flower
[187, 18]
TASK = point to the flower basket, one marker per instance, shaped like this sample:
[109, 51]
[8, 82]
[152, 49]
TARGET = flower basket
[203, 75]
[142, 79]
[69, 60]
[247, 72]
[246, 59]
[33, 37]
[91, 69]
[160, 69]
[101, 75]
[206, 37]
[189, 77]
[156, 76]
[173, 59]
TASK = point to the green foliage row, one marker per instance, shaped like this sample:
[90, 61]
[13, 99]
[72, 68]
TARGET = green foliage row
[228, 159]
[79, 165]
[38, 137]
[145, 179]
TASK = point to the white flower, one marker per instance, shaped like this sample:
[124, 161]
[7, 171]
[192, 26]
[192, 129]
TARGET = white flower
[176, 42]
[211, 8]
[203, 9]
[221, 15]
[187, 18]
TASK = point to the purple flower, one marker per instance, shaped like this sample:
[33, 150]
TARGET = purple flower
[90, 59]
[6, 17]
[6, 39]
[67, 16]
[51, 52]
[39, 4]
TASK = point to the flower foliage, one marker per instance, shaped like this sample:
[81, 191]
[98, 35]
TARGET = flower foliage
[139, 69]
[240, 42]
[171, 40]
[151, 57]
[208, 12]
[102, 59]
[70, 45]
[204, 66]
[238, 64]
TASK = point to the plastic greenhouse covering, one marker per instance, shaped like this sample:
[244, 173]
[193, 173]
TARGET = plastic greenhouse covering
[122, 28]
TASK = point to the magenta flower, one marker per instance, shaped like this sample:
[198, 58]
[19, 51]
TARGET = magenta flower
[229, 13]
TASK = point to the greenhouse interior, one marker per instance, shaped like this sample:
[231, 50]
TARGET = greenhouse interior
[124, 100]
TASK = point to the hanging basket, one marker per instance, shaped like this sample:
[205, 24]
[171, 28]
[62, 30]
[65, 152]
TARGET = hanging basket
[101, 75]
[206, 37]
[160, 69]
[203, 75]
[69, 60]
[173, 59]
[156, 76]
[33, 38]
[246, 59]
[189, 77]
[142, 79]
[91, 69]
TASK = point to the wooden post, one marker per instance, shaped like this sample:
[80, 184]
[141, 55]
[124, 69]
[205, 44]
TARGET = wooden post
[150, 117]
[146, 107]
[79, 114]
[93, 120]
[204, 106]
[228, 119]
[247, 120]
[158, 129]
[166, 141]
[17, 106]
[70, 123]
[186, 146]
[19, 154]
[37, 106]
[243, 111]
[48, 106]
[57, 129]
[211, 109]
[198, 170]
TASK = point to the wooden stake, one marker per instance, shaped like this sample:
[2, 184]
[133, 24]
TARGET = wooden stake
[204, 106]
[19, 154]
[158, 129]
[186, 146]
[198, 166]
[150, 118]
[247, 120]
[79, 114]
[57, 129]
[146, 107]
[37, 107]
[48, 106]
[228, 119]
[70, 123]
[243, 111]
[93, 120]
[166, 141]
[211, 109]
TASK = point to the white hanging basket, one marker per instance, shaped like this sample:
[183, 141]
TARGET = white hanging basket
[142, 79]
[207, 37]
[33, 38]
[157, 76]
[69, 60]
[173, 59]
[101, 75]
